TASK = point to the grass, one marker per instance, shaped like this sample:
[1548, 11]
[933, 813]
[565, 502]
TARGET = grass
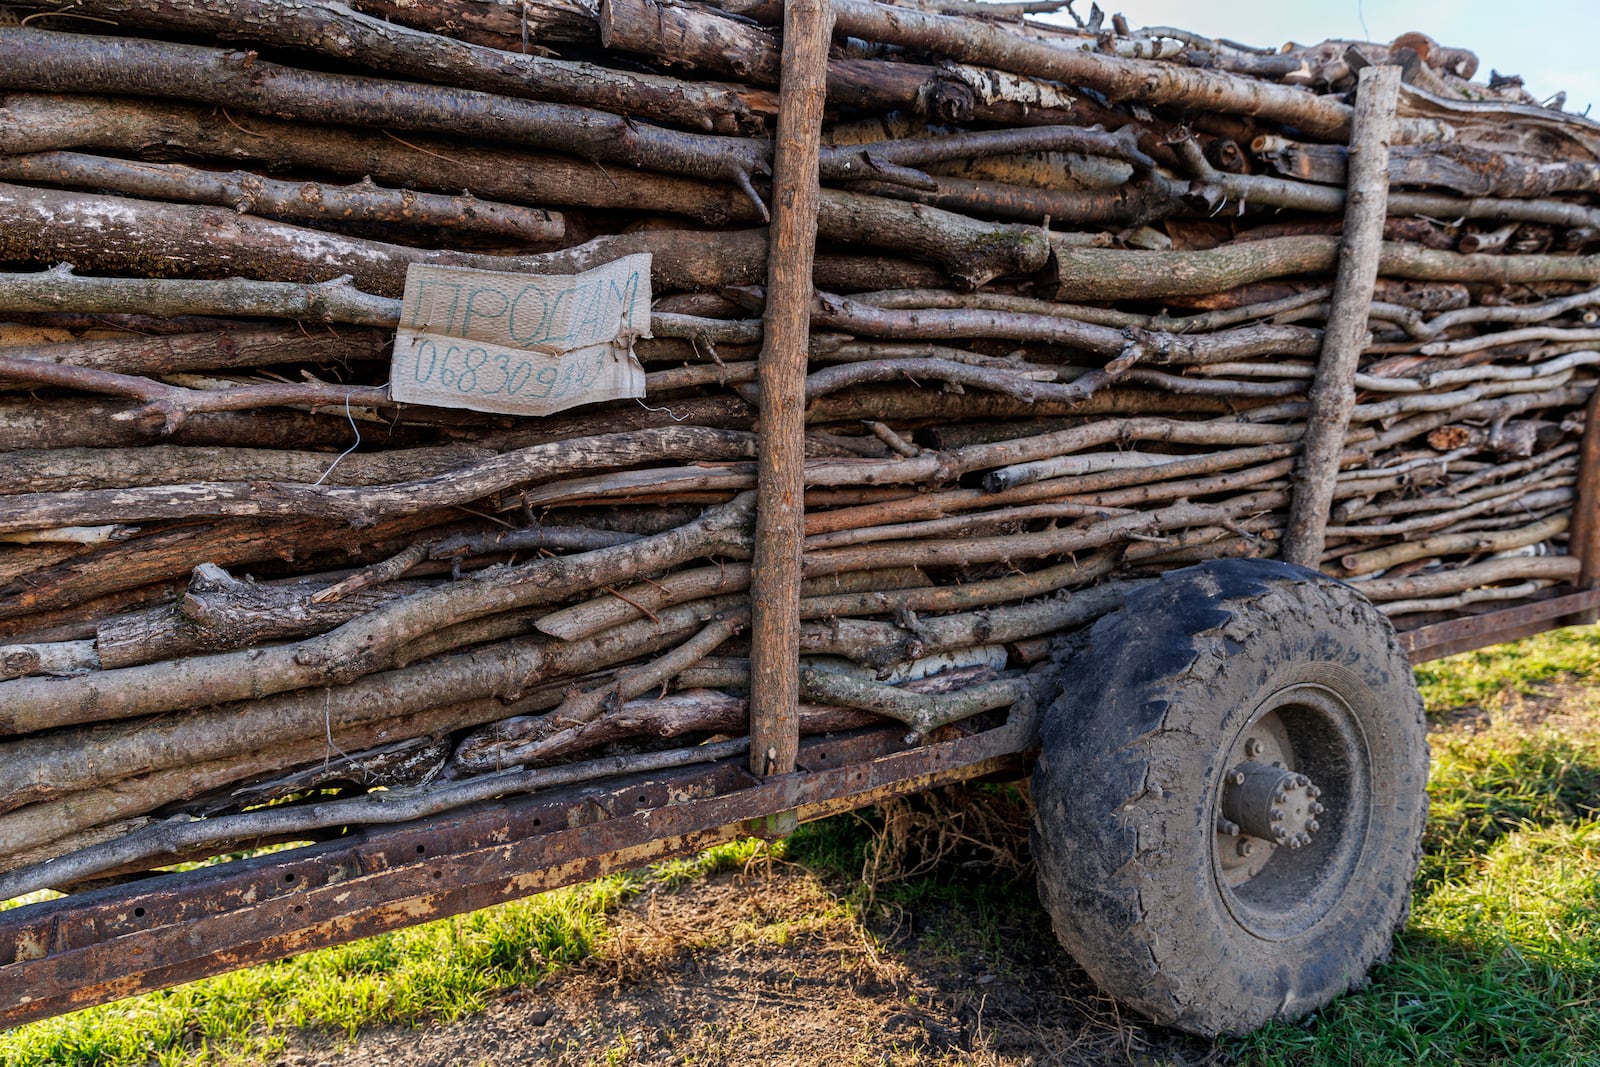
[1520, 667]
[1500, 964]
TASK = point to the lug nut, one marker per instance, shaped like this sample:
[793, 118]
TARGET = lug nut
[1317, 809]
[1237, 777]
[1252, 747]
[1245, 847]
[1230, 829]
[1313, 825]
[1276, 814]
[1313, 792]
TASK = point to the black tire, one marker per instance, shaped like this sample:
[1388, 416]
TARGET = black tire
[1163, 708]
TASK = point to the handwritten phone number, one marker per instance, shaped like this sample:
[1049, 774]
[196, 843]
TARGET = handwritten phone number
[474, 369]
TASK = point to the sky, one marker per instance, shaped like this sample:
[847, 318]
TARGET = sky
[1551, 43]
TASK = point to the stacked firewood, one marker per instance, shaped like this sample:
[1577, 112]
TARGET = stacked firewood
[1071, 285]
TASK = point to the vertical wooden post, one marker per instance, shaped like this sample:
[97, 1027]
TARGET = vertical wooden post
[1333, 393]
[1583, 539]
[781, 374]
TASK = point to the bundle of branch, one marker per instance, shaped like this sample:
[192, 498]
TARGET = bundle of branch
[1074, 287]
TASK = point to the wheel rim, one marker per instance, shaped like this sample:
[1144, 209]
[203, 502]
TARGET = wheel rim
[1309, 731]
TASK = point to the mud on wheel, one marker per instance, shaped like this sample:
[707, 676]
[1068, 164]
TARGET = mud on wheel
[1231, 795]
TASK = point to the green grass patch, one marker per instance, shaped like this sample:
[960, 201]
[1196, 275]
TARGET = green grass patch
[1485, 786]
[921, 850]
[836, 847]
[438, 971]
[1476, 678]
[30, 898]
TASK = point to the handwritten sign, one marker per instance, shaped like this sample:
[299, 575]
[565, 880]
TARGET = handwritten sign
[521, 344]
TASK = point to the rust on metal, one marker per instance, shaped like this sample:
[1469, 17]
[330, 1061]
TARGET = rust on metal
[1475, 631]
[62, 955]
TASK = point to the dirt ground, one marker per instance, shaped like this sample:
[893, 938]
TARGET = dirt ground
[770, 966]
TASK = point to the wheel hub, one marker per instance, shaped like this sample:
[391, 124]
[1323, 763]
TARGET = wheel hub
[1260, 766]
[1272, 803]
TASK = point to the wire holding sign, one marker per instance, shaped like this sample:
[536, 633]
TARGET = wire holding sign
[521, 344]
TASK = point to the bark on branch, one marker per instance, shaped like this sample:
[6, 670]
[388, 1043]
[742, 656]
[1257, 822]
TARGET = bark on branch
[335, 31]
[1089, 274]
[167, 406]
[333, 300]
[249, 193]
[36, 60]
[212, 350]
[1333, 395]
[365, 504]
[181, 835]
[119, 125]
[367, 643]
[1139, 81]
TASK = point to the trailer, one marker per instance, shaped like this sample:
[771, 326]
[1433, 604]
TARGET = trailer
[1178, 576]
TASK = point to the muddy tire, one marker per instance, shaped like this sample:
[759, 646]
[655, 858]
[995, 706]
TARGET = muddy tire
[1231, 795]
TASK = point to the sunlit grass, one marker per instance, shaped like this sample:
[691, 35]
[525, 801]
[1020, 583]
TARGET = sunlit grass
[28, 898]
[1518, 667]
[1485, 786]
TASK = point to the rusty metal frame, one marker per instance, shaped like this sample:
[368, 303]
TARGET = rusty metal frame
[61, 955]
[1476, 631]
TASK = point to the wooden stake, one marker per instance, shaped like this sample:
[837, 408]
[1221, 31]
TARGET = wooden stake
[1584, 540]
[1333, 394]
[780, 507]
